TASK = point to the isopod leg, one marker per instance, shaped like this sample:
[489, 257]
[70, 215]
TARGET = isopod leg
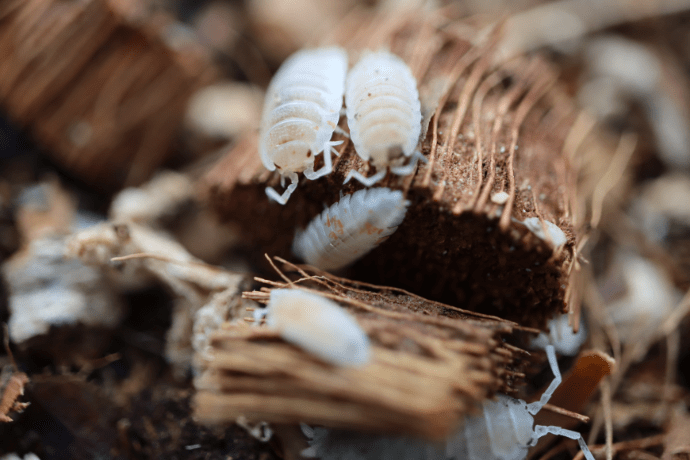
[366, 181]
[536, 406]
[327, 166]
[282, 199]
[342, 132]
[541, 430]
[333, 144]
[409, 167]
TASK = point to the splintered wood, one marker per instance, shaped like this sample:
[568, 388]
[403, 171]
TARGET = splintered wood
[101, 84]
[430, 364]
[492, 222]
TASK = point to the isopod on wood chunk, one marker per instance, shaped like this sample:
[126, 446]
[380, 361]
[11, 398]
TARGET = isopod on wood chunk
[505, 429]
[384, 115]
[351, 228]
[301, 111]
[319, 326]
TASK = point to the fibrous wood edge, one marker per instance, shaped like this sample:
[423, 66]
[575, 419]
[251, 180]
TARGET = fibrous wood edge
[430, 365]
[97, 84]
[491, 129]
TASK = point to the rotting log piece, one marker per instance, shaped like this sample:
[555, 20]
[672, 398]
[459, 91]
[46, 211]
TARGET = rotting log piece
[101, 84]
[497, 154]
[430, 365]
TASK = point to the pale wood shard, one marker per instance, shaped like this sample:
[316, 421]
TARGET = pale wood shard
[493, 129]
[99, 83]
[430, 365]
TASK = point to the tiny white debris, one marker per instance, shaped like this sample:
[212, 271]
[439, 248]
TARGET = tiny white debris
[555, 235]
[500, 197]
[260, 430]
[319, 326]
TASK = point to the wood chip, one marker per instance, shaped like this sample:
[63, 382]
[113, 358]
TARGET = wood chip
[102, 84]
[494, 131]
[430, 365]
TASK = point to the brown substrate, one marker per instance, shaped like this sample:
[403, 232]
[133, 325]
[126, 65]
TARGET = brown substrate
[430, 364]
[97, 84]
[493, 129]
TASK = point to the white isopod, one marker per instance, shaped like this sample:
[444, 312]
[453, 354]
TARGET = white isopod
[503, 431]
[319, 326]
[351, 228]
[384, 115]
[561, 336]
[301, 111]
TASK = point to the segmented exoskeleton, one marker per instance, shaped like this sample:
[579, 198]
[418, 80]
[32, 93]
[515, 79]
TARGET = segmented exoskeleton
[384, 115]
[301, 111]
[504, 430]
[318, 325]
[351, 228]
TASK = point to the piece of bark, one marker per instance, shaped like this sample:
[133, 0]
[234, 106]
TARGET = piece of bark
[102, 84]
[135, 256]
[494, 131]
[12, 384]
[430, 365]
[52, 297]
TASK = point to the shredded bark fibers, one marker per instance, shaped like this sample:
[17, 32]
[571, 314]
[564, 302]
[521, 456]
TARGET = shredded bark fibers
[488, 129]
[430, 365]
[97, 85]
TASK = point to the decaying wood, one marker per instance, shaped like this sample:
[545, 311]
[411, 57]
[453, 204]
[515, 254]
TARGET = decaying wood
[497, 155]
[12, 383]
[97, 84]
[430, 364]
[12, 390]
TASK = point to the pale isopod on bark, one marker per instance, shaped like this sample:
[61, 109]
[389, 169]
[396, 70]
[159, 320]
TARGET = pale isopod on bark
[504, 430]
[301, 111]
[319, 326]
[384, 115]
[351, 228]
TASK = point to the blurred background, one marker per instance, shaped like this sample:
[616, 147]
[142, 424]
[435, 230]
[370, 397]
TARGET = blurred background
[98, 96]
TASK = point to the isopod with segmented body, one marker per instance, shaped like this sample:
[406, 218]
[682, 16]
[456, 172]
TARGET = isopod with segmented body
[504, 430]
[319, 326]
[301, 111]
[383, 114]
[351, 228]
